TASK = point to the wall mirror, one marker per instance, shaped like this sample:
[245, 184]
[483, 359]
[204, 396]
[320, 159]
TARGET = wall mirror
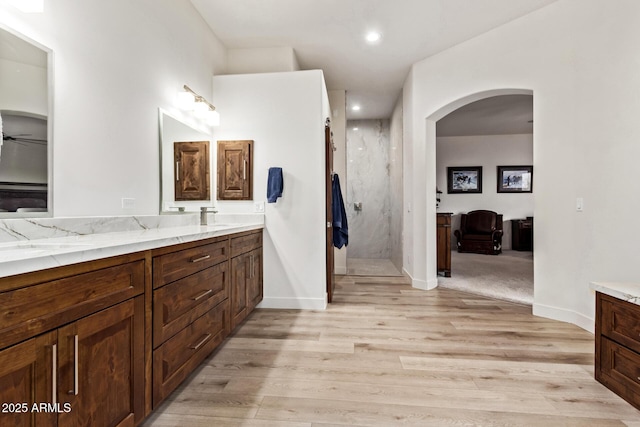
[185, 164]
[26, 102]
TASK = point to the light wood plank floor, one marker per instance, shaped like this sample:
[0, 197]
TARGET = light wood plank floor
[385, 354]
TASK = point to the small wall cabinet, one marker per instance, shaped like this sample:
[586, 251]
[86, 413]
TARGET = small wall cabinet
[444, 243]
[191, 160]
[235, 170]
[617, 359]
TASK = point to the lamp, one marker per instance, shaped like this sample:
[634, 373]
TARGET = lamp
[189, 100]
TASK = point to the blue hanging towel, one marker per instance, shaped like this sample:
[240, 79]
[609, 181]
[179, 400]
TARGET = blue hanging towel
[340, 227]
[274, 184]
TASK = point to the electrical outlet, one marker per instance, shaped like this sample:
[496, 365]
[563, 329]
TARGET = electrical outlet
[128, 203]
[258, 207]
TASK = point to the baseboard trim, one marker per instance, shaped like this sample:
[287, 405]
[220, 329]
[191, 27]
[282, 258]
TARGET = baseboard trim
[425, 285]
[294, 303]
[564, 315]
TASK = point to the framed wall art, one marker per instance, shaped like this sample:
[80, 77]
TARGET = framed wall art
[515, 179]
[464, 179]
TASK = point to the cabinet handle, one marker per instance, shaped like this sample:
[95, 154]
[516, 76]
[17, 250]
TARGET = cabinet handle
[202, 258]
[201, 343]
[244, 170]
[177, 171]
[54, 374]
[75, 366]
[204, 294]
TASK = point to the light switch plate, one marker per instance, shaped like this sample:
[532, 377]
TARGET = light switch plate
[579, 204]
[258, 206]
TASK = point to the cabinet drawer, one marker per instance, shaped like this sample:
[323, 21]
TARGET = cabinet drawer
[620, 370]
[174, 360]
[620, 321]
[176, 265]
[178, 304]
[246, 243]
[41, 307]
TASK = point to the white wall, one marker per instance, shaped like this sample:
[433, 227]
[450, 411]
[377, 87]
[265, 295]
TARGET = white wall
[115, 63]
[338, 102]
[23, 88]
[489, 152]
[284, 114]
[396, 183]
[580, 60]
[261, 60]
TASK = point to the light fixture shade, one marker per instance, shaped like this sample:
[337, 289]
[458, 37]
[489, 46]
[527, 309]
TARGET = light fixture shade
[185, 100]
[213, 118]
[200, 109]
[29, 6]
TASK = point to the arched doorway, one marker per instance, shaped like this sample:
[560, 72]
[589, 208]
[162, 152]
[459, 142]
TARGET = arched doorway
[431, 180]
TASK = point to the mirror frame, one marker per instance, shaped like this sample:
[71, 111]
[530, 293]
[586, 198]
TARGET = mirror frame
[50, 115]
[194, 204]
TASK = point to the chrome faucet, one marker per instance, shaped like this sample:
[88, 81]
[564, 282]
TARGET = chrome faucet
[203, 214]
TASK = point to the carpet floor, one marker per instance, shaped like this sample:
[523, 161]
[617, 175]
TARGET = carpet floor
[508, 276]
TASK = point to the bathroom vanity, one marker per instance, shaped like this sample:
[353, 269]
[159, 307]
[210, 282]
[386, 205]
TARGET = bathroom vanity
[121, 321]
[617, 335]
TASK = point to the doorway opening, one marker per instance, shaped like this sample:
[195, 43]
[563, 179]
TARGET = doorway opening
[490, 133]
[374, 197]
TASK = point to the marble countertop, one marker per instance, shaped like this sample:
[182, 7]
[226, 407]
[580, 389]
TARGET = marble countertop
[38, 254]
[625, 291]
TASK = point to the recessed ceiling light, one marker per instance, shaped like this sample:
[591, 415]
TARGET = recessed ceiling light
[373, 36]
[356, 108]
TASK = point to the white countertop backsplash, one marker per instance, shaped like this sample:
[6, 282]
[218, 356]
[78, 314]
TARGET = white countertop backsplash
[35, 244]
[625, 291]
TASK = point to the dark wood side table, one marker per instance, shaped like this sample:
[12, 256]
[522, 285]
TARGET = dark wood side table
[444, 243]
[522, 234]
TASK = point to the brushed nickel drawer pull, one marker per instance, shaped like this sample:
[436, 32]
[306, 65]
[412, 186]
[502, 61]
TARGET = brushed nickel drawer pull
[204, 294]
[75, 366]
[244, 170]
[54, 374]
[201, 343]
[202, 258]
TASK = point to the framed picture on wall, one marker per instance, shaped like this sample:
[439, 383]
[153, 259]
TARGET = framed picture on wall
[464, 179]
[515, 179]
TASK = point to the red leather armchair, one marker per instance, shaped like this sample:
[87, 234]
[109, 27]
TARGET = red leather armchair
[480, 232]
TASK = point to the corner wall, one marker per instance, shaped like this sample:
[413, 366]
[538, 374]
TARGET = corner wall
[585, 141]
[284, 113]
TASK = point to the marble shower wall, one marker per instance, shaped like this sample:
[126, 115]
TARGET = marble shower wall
[368, 183]
[396, 141]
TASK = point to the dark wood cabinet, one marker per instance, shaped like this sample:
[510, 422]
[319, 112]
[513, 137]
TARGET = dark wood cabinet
[75, 340]
[444, 243]
[246, 275]
[190, 309]
[522, 234]
[617, 358]
[235, 170]
[191, 160]
[103, 342]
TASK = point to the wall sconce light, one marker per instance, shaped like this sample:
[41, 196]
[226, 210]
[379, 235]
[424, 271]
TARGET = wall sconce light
[191, 101]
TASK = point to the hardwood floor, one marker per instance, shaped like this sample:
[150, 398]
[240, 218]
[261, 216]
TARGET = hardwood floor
[385, 354]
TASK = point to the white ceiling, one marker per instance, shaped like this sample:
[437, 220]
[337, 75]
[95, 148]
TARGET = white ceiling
[329, 35]
[498, 115]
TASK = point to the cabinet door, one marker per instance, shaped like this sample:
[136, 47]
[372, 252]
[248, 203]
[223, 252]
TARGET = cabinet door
[191, 170]
[27, 377]
[235, 177]
[254, 288]
[239, 277]
[102, 367]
